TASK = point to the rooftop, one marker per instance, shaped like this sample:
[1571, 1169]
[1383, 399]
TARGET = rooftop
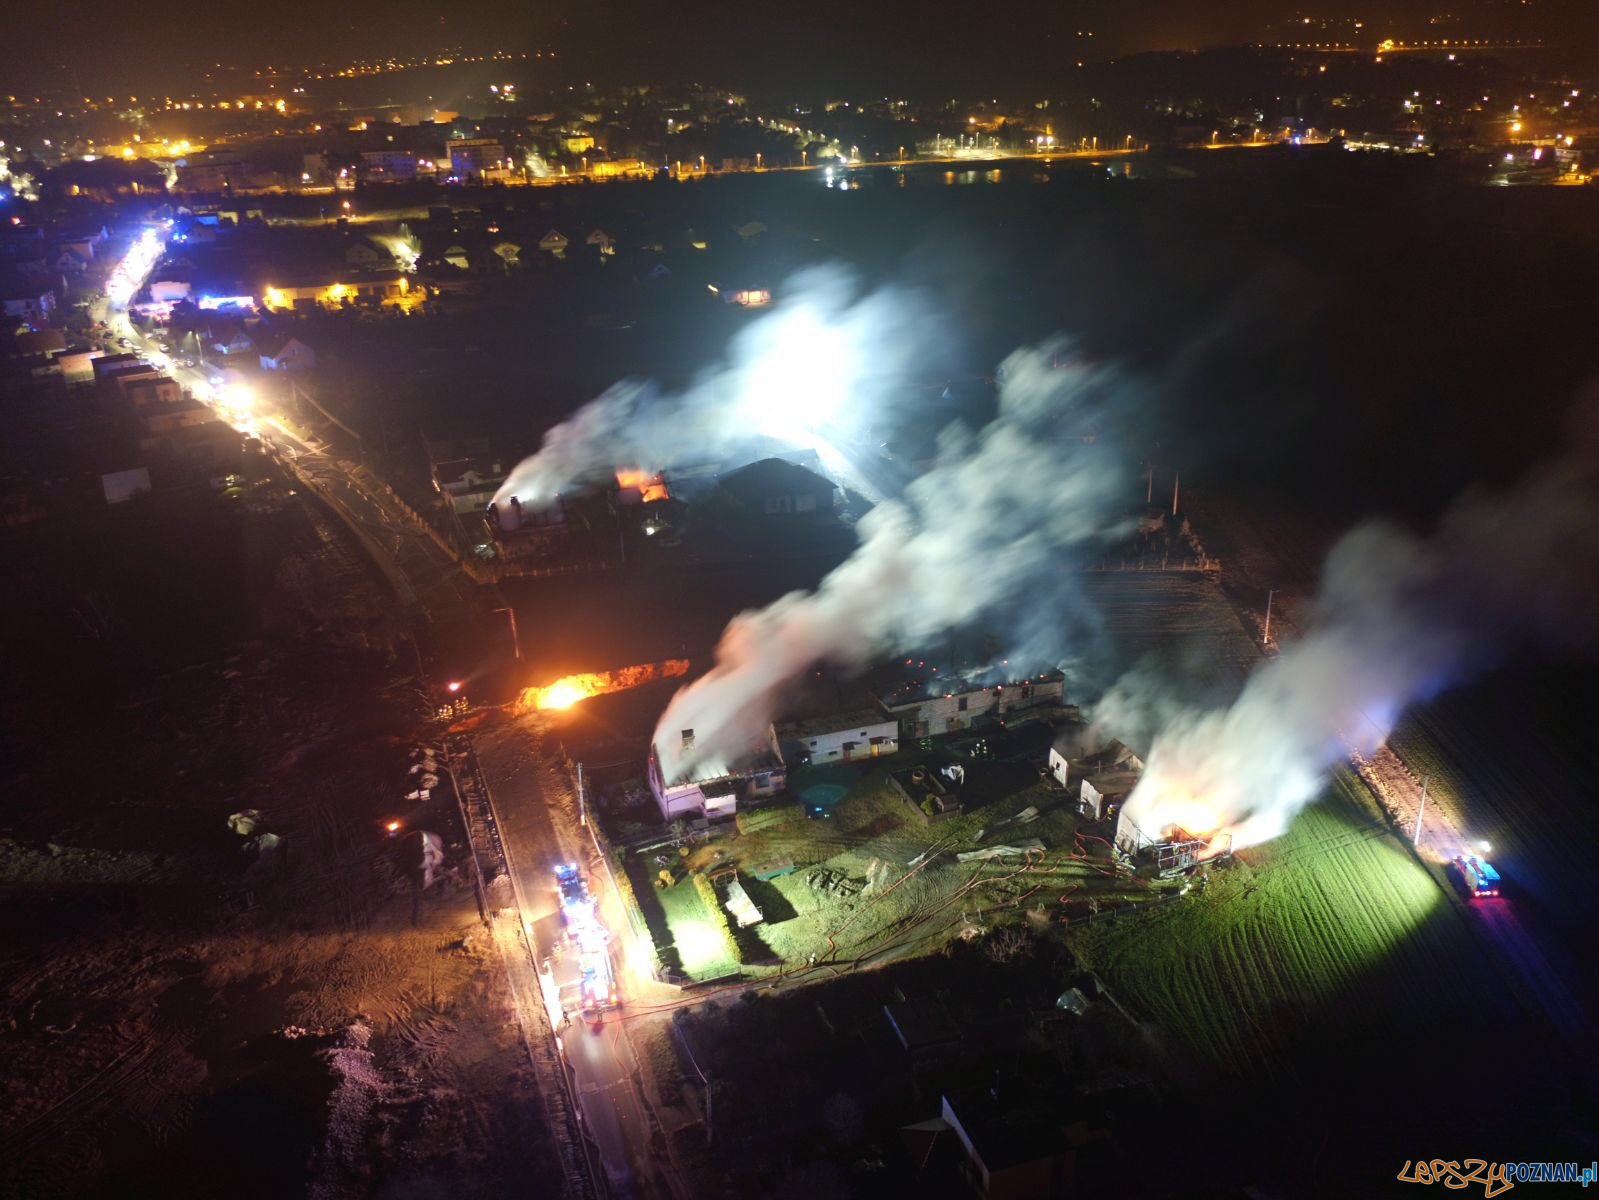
[855, 718]
[771, 476]
[765, 757]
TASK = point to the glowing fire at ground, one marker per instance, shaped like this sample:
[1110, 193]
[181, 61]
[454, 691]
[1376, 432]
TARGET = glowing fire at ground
[650, 487]
[569, 689]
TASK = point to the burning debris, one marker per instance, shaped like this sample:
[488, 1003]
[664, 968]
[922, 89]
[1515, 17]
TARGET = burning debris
[569, 689]
[1399, 618]
[635, 486]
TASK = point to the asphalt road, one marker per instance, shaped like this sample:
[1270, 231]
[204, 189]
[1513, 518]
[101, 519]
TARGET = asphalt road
[538, 831]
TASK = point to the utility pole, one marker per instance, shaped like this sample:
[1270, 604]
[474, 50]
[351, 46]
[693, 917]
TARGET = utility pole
[1266, 640]
[1176, 482]
[1415, 839]
[516, 642]
[1149, 483]
[582, 809]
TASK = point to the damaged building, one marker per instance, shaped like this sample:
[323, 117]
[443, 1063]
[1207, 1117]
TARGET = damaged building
[922, 715]
[1103, 778]
[713, 789]
[839, 737]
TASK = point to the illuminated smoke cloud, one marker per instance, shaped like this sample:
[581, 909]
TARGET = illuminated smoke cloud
[1000, 512]
[827, 358]
[1398, 619]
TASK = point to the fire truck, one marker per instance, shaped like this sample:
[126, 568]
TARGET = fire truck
[589, 939]
[1477, 875]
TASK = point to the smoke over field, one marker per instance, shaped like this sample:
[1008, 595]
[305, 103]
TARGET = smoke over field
[827, 357]
[1398, 618]
[1002, 511]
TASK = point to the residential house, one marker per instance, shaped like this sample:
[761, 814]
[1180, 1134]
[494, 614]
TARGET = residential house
[839, 737]
[777, 487]
[478, 159]
[1108, 777]
[924, 715]
[711, 788]
[554, 242]
[620, 168]
[166, 416]
[42, 345]
[75, 253]
[227, 339]
[601, 240]
[311, 290]
[468, 484]
[364, 255]
[121, 486]
[744, 297]
[281, 352]
[106, 365]
[1070, 738]
[391, 166]
[523, 533]
[1032, 1135]
[193, 444]
[149, 391]
[77, 364]
[30, 302]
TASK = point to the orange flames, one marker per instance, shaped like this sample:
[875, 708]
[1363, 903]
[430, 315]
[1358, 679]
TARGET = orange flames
[650, 487]
[569, 689]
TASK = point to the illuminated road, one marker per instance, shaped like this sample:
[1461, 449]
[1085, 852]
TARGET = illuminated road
[538, 831]
[538, 827]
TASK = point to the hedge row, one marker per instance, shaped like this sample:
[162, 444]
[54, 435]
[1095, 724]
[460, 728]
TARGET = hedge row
[624, 887]
[707, 894]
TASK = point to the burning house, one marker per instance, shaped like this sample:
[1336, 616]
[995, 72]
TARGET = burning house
[922, 715]
[658, 514]
[520, 532]
[1172, 848]
[712, 789]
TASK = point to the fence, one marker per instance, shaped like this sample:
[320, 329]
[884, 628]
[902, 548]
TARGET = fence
[1123, 910]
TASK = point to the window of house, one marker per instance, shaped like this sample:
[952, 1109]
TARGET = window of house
[805, 503]
[960, 704]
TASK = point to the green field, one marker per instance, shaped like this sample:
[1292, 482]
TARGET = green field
[1302, 951]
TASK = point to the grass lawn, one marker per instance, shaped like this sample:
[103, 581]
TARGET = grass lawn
[1305, 947]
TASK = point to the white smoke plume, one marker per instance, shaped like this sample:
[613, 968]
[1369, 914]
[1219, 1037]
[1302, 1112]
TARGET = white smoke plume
[825, 358]
[999, 512]
[1398, 619]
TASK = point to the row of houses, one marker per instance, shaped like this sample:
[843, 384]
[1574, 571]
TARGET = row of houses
[43, 266]
[712, 789]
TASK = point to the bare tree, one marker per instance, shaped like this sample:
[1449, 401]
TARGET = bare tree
[1007, 944]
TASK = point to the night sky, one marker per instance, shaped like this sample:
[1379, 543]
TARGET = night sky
[825, 43]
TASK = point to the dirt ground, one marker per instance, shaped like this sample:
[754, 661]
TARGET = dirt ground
[218, 975]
